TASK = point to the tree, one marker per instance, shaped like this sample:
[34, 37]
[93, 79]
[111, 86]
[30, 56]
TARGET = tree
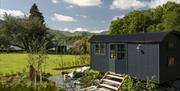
[161, 18]
[116, 27]
[171, 16]
[25, 33]
[137, 21]
[28, 33]
[35, 13]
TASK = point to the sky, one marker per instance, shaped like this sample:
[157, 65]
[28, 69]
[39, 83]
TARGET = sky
[78, 15]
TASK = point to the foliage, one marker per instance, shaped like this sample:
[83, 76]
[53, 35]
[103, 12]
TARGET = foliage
[3, 40]
[150, 85]
[162, 18]
[25, 33]
[131, 84]
[89, 77]
[28, 33]
[35, 13]
[81, 46]
[128, 84]
[20, 82]
[84, 59]
[116, 26]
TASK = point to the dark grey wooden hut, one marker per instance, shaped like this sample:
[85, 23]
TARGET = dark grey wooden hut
[142, 55]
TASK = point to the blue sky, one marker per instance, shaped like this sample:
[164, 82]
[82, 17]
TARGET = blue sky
[78, 15]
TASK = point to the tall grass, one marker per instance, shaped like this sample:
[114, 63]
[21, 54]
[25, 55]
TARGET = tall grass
[13, 63]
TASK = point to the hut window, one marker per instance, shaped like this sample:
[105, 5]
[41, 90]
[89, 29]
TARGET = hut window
[100, 49]
[112, 51]
[120, 51]
[171, 61]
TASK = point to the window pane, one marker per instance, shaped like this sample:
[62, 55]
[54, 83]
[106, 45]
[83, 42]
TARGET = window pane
[100, 49]
[120, 51]
[171, 61]
[112, 51]
[97, 49]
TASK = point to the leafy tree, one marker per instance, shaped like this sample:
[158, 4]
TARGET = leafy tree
[161, 18]
[116, 26]
[25, 33]
[171, 16]
[35, 13]
[28, 33]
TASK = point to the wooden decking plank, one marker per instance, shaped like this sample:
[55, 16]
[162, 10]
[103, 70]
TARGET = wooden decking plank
[117, 77]
[103, 89]
[111, 81]
[121, 75]
[109, 86]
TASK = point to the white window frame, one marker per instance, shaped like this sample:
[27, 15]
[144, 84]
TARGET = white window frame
[102, 51]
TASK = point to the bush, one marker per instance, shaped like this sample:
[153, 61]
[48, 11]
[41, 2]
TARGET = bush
[131, 84]
[22, 83]
[150, 85]
[128, 84]
[89, 77]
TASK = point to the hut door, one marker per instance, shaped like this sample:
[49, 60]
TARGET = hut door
[117, 58]
[121, 62]
[112, 57]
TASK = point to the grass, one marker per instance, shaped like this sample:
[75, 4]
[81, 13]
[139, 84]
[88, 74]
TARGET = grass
[12, 63]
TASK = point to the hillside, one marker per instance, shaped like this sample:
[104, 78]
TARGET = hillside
[64, 34]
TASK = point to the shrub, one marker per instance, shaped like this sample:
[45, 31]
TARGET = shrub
[22, 83]
[128, 84]
[131, 84]
[89, 77]
[150, 84]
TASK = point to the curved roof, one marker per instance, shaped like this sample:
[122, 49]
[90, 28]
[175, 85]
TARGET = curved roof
[148, 37]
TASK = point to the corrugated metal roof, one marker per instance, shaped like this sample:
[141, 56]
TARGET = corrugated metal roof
[148, 37]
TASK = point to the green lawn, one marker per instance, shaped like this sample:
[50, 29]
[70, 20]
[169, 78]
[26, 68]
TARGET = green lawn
[12, 63]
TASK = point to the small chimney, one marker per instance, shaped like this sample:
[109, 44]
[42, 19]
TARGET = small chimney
[144, 30]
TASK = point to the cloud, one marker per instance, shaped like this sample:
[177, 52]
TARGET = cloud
[80, 29]
[14, 13]
[70, 6]
[62, 18]
[115, 17]
[126, 4]
[84, 3]
[76, 29]
[82, 16]
[97, 31]
[155, 3]
[136, 4]
[55, 1]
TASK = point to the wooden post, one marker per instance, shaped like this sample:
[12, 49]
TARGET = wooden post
[35, 80]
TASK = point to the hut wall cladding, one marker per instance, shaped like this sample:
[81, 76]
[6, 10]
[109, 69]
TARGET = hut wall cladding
[145, 65]
[169, 72]
[99, 62]
[157, 59]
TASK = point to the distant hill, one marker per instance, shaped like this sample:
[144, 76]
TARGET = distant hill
[104, 32]
[58, 34]
[64, 34]
[77, 33]
[69, 37]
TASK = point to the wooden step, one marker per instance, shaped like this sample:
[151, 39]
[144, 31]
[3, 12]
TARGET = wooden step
[103, 89]
[112, 73]
[111, 81]
[113, 76]
[108, 86]
[91, 88]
